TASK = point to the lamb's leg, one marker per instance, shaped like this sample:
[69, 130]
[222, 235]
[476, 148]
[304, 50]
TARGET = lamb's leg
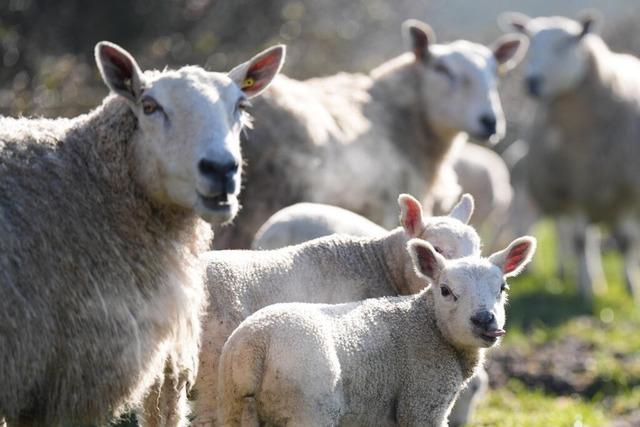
[205, 405]
[628, 237]
[468, 399]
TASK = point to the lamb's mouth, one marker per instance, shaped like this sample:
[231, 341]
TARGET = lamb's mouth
[491, 336]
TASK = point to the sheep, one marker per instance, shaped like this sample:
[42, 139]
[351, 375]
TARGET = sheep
[383, 361]
[584, 138]
[482, 172]
[356, 140]
[102, 218]
[305, 221]
[333, 269]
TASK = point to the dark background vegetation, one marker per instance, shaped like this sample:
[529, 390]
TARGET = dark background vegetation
[564, 362]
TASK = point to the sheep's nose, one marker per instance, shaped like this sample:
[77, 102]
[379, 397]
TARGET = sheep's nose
[489, 124]
[534, 85]
[483, 319]
[220, 173]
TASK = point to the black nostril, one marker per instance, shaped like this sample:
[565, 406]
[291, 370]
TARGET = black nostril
[482, 318]
[488, 123]
[218, 170]
[534, 85]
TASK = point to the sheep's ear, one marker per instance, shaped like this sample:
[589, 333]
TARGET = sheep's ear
[411, 217]
[255, 75]
[464, 209]
[510, 21]
[509, 50]
[119, 70]
[515, 257]
[418, 36]
[427, 262]
[590, 20]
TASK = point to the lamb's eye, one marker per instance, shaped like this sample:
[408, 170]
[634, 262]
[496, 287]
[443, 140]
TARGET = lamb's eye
[438, 249]
[149, 105]
[443, 69]
[242, 104]
[445, 291]
[504, 287]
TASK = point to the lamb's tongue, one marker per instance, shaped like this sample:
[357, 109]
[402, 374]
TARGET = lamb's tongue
[495, 333]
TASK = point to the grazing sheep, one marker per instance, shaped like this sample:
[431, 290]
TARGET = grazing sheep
[305, 221]
[385, 361]
[357, 140]
[482, 173]
[100, 295]
[586, 137]
[334, 269]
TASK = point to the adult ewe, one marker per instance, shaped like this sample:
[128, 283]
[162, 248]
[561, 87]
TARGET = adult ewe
[586, 136]
[330, 270]
[380, 362]
[100, 223]
[357, 140]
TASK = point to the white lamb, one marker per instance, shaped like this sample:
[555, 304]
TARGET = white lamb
[380, 362]
[585, 139]
[100, 295]
[377, 134]
[334, 269]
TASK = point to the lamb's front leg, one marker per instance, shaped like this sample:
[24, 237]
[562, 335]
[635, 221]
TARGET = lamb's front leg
[425, 406]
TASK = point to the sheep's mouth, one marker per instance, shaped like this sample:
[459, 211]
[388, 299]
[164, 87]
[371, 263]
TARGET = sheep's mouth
[218, 203]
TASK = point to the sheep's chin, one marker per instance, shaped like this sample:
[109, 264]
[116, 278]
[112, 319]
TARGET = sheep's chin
[219, 214]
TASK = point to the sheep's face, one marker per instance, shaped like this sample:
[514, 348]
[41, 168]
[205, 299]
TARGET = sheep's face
[458, 81]
[470, 293]
[187, 146]
[557, 60]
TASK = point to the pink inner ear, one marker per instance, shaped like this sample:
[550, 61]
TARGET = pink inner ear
[411, 220]
[123, 65]
[515, 257]
[262, 70]
[426, 260]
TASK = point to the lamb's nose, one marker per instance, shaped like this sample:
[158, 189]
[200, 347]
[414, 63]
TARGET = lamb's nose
[534, 85]
[483, 319]
[489, 124]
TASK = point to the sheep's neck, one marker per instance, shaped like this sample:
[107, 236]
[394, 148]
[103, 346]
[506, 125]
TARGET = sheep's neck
[397, 86]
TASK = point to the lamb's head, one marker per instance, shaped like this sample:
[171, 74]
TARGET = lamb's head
[187, 143]
[557, 60]
[470, 293]
[450, 235]
[458, 81]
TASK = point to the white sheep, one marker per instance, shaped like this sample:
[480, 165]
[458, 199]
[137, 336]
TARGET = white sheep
[333, 269]
[358, 140]
[585, 138]
[100, 293]
[305, 221]
[386, 361]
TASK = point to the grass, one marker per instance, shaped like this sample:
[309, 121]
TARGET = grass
[545, 310]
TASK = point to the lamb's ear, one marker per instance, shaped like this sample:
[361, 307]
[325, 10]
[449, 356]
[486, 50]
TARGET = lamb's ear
[509, 21]
[418, 36]
[427, 262]
[515, 257]
[255, 75]
[411, 217]
[464, 209]
[509, 50]
[119, 70]
[590, 20]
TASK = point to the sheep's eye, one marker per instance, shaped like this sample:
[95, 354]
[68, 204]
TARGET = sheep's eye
[149, 105]
[445, 291]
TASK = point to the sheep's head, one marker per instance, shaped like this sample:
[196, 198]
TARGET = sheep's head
[470, 293]
[557, 60]
[187, 145]
[458, 81]
[450, 235]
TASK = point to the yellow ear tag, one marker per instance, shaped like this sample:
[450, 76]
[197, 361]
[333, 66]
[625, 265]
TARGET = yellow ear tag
[248, 82]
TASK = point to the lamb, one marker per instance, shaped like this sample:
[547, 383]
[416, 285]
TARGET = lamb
[380, 134]
[333, 269]
[305, 221]
[102, 218]
[384, 361]
[585, 137]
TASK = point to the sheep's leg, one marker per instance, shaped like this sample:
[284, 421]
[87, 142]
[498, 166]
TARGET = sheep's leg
[149, 416]
[566, 251]
[591, 277]
[628, 236]
[166, 403]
